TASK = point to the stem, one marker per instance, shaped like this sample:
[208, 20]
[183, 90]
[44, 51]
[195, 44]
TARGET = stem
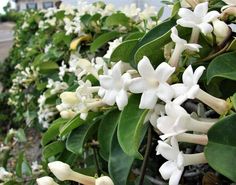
[174, 59]
[145, 160]
[195, 35]
[96, 160]
[199, 126]
[217, 104]
[193, 159]
[192, 138]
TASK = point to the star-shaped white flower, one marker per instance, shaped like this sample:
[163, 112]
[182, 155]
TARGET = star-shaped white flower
[174, 167]
[189, 88]
[199, 18]
[152, 83]
[114, 86]
[180, 46]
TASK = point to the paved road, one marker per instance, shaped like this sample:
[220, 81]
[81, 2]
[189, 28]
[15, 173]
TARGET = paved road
[6, 39]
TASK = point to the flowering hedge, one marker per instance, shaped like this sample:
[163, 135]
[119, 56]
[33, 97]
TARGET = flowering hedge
[106, 87]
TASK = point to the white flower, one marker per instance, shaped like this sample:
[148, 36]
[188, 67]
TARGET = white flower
[35, 166]
[46, 180]
[155, 113]
[199, 18]
[178, 121]
[180, 46]
[174, 167]
[152, 83]
[47, 48]
[114, 86]
[190, 87]
[62, 70]
[131, 10]
[148, 12]
[4, 174]
[112, 46]
[104, 180]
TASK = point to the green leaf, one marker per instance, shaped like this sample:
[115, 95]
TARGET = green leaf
[154, 49]
[119, 163]
[233, 99]
[102, 40]
[223, 66]
[47, 67]
[232, 46]
[53, 131]
[22, 166]
[131, 127]
[134, 35]
[53, 148]
[76, 122]
[106, 131]
[221, 148]
[117, 19]
[160, 13]
[79, 136]
[124, 51]
[20, 135]
[175, 9]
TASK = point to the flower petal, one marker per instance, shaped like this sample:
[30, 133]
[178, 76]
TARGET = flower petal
[205, 28]
[116, 71]
[163, 72]
[165, 92]
[148, 99]
[173, 110]
[175, 177]
[179, 89]
[210, 16]
[167, 169]
[193, 47]
[167, 151]
[145, 68]
[106, 82]
[188, 76]
[138, 85]
[110, 97]
[165, 123]
[175, 37]
[201, 9]
[187, 14]
[187, 24]
[122, 99]
[198, 73]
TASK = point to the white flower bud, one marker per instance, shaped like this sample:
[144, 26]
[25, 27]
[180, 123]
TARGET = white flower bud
[69, 98]
[67, 114]
[61, 170]
[104, 180]
[221, 30]
[46, 181]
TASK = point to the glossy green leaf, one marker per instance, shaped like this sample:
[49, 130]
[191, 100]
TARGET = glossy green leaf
[106, 131]
[223, 66]
[76, 122]
[154, 49]
[117, 19]
[119, 163]
[134, 35]
[102, 40]
[79, 136]
[131, 127]
[221, 148]
[53, 149]
[53, 131]
[124, 51]
[233, 99]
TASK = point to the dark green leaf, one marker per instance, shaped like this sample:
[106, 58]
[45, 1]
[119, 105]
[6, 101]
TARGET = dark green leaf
[79, 136]
[131, 127]
[119, 163]
[123, 51]
[103, 39]
[53, 148]
[221, 148]
[106, 131]
[47, 67]
[53, 131]
[223, 66]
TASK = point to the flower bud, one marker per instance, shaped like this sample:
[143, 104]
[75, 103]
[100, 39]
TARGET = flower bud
[69, 98]
[104, 180]
[67, 114]
[221, 30]
[61, 170]
[46, 181]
